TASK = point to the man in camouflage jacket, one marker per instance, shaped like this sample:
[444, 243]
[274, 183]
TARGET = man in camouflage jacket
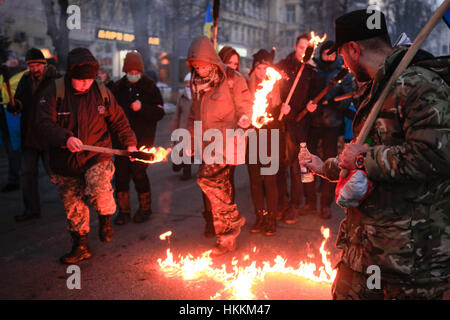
[403, 225]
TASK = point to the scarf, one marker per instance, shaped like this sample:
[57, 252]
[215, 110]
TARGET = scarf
[201, 85]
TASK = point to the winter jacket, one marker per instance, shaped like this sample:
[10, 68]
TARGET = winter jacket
[27, 102]
[82, 115]
[307, 88]
[331, 114]
[182, 112]
[404, 225]
[9, 123]
[221, 107]
[144, 121]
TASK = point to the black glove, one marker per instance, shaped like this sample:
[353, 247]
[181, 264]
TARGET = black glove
[13, 109]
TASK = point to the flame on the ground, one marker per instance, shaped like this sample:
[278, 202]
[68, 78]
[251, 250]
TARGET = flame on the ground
[260, 116]
[239, 283]
[159, 154]
[165, 235]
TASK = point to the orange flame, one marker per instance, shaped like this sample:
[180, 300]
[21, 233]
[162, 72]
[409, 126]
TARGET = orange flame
[165, 235]
[159, 153]
[260, 116]
[239, 283]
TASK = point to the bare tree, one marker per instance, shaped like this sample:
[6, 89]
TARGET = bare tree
[407, 16]
[140, 13]
[58, 32]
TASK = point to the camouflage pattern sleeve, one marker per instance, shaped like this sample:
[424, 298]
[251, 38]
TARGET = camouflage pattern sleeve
[423, 103]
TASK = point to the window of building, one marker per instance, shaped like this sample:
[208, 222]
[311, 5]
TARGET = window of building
[290, 13]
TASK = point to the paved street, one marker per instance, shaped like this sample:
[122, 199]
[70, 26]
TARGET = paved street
[127, 267]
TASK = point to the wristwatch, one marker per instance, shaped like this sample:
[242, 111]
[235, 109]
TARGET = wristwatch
[360, 161]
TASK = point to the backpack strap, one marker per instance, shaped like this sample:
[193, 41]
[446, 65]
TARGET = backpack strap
[103, 92]
[60, 93]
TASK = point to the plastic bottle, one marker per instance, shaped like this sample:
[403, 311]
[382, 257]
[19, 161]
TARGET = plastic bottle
[304, 155]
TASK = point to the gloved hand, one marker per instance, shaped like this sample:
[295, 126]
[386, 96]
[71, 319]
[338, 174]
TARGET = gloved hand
[13, 109]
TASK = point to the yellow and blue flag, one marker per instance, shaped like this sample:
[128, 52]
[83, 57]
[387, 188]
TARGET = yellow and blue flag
[207, 26]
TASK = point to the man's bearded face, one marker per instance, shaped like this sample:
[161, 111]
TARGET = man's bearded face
[36, 69]
[351, 61]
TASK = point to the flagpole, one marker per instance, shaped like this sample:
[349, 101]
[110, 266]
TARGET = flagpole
[216, 10]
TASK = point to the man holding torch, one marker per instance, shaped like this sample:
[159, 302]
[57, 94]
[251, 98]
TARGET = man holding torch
[306, 89]
[402, 225]
[74, 111]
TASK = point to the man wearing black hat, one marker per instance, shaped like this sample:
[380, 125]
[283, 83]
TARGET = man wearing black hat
[76, 111]
[29, 91]
[402, 226]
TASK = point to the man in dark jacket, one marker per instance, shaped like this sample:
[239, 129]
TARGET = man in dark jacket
[80, 117]
[327, 123]
[10, 123]
[142, 103]
[295, 132]
[28, 93]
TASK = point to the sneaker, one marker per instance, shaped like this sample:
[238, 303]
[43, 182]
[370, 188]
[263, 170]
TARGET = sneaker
[27, 216]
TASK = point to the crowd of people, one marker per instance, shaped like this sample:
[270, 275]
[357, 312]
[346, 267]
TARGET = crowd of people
[401, 226]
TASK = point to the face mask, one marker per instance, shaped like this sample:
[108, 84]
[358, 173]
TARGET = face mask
[133, 78]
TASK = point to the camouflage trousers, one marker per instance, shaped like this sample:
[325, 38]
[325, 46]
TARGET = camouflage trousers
[215, 182]
[95, 184]
[352, 285]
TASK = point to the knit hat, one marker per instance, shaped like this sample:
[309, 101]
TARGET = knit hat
[133, 61]
[35, 56]
[263, 57]
[325, 46]
[12, 54]
[81, 64]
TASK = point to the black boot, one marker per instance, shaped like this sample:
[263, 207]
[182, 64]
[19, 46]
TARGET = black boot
[209, 226]
[27, 216]
[105, 230]
[259, 223]
[270, 224]
[145, 207]
[123, 201]
[80, 250]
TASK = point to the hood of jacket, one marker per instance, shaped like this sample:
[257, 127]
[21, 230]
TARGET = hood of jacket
[202, 49]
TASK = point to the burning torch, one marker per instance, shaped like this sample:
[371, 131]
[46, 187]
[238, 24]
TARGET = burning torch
[147, 155]
[341, 75]
[315, 40]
